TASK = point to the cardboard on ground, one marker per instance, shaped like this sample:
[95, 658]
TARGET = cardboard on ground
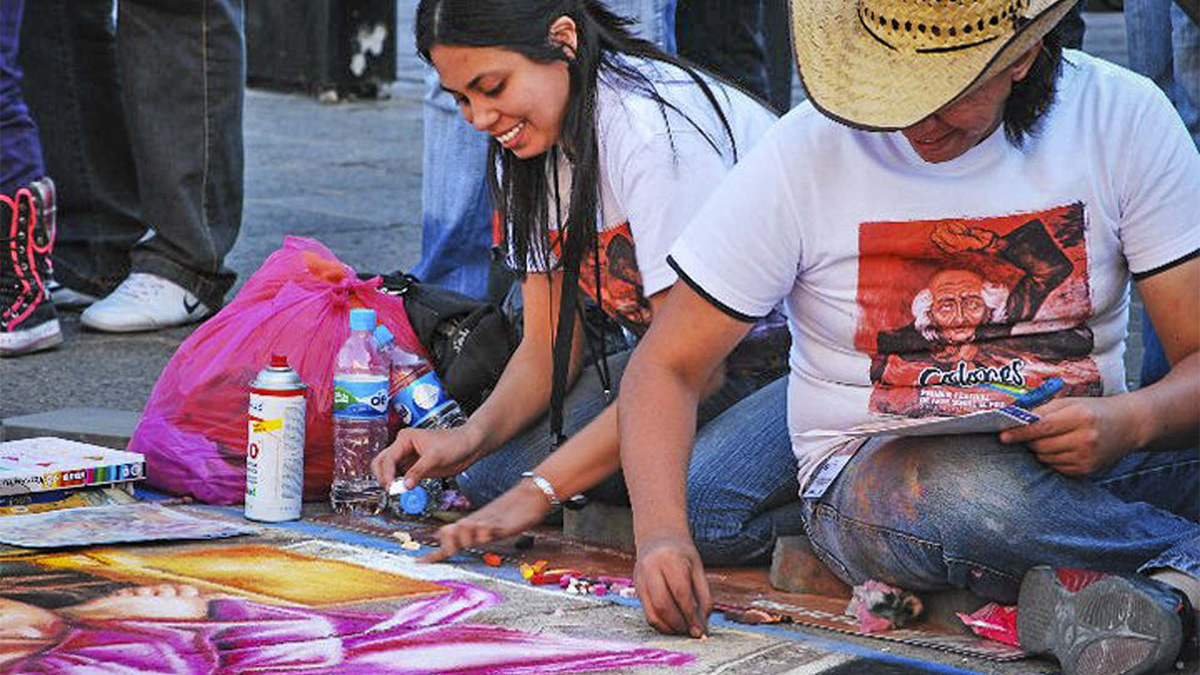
[981, 422]
[46, 463]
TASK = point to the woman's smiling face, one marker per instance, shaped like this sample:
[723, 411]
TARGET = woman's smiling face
[518, 101]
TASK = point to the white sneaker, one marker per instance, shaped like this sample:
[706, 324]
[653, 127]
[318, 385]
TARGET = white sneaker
[144, 302]
[68, 298]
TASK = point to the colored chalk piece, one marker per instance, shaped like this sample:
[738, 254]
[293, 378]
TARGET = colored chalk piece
[492, 559]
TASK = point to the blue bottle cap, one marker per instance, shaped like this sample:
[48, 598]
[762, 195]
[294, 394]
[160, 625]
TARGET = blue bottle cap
[383, 336]
[413, 502]
[362, 319]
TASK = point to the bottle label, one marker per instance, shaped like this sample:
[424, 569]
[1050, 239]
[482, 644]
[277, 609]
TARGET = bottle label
[420, 399]
[360, 398]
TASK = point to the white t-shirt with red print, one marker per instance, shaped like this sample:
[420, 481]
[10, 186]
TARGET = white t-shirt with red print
[920, 289]
[656, 169]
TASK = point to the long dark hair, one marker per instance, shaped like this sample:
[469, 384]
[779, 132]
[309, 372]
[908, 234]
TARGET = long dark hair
[520, 188]
[1034, 95]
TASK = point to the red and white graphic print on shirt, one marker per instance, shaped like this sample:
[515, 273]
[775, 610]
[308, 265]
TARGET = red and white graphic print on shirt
[958, 314]
[621, 293]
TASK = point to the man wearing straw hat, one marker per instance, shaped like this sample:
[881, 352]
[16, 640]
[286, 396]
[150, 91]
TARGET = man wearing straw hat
[931, 118]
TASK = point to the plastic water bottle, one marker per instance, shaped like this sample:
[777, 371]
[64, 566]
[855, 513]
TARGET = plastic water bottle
[360, 405]
[420, 400]
[417, 393]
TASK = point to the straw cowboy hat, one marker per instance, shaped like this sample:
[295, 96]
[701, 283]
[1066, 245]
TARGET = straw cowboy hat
[887, 64]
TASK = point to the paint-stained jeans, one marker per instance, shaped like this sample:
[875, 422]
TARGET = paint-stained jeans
[741, 482]
[969, 512]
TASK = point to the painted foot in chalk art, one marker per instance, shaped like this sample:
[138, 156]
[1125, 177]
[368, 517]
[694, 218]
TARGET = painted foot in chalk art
[203, 611]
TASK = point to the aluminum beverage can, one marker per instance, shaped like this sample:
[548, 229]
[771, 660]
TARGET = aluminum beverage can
[275, 444]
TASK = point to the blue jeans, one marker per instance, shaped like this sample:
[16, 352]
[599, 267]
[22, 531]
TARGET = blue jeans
[968, 512]
[144, 122]
[456, 223]
[1164, 45]
[741, 481]
[20, 149]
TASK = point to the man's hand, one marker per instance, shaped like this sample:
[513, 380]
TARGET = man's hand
[424, 453]
[1077, 436]
[522, 507]
[670, 582]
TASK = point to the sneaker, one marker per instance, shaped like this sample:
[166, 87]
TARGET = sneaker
[28, 322]
[1101, 624]
[68, 298]
[144, 302]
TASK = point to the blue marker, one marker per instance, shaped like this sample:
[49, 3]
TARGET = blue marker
[1039, 395]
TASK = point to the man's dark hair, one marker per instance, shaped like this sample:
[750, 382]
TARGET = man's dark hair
[1032, 97]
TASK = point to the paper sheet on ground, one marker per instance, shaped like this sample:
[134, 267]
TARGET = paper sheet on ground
[112, 524]
[982, 422]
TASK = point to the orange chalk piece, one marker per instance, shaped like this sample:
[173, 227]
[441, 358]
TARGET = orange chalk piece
[492, 559]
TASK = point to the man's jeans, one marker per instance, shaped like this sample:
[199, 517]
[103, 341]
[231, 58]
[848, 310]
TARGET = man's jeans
[456, 227]
[20, 151]
[741, 481]
[969, 512]
[143, 128]
[727, 38]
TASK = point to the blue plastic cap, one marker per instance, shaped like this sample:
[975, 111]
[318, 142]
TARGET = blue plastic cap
[414, 501]
[362, 319]
[383, 336]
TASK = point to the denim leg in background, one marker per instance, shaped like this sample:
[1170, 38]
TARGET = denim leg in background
[726, 38]
[70, 60]
[969, 512]
[456, 221]
[183, 71]
[20, 150]
[1164, 45]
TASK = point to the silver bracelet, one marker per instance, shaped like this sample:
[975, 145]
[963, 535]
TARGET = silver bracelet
[545, 486]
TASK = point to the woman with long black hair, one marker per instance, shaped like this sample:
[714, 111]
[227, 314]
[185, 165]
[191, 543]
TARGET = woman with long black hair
[602, 148]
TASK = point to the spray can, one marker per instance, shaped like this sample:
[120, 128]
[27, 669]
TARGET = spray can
[275, 444]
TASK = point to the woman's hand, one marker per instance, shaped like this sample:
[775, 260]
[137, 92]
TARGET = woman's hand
[522, 507]
[425, 453]
[1077, 436]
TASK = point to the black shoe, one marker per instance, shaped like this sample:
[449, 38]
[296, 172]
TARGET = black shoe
[1100, 624]
[28, 321]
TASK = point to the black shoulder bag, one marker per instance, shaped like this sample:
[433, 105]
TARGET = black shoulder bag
[469, 340]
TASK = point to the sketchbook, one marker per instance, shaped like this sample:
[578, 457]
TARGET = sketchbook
[981, 422]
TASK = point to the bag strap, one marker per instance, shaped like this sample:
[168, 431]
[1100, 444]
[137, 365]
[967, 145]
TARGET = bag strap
[565, 330]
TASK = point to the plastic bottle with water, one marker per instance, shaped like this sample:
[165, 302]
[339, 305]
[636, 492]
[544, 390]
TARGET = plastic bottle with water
[417, 393]
[360, 407]
[420, 400]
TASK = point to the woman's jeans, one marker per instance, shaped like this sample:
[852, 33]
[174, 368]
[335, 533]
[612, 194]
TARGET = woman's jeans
[968, 512]
[142, 127]
[742, 478]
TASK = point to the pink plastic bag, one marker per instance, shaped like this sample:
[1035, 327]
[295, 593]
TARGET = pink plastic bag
[193, 430]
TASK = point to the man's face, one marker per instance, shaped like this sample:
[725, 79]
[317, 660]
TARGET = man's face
[961, 124]
[958, 307]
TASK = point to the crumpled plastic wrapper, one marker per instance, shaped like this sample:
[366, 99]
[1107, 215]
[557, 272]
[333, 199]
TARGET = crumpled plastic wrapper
[880, 607]
[995, 622]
